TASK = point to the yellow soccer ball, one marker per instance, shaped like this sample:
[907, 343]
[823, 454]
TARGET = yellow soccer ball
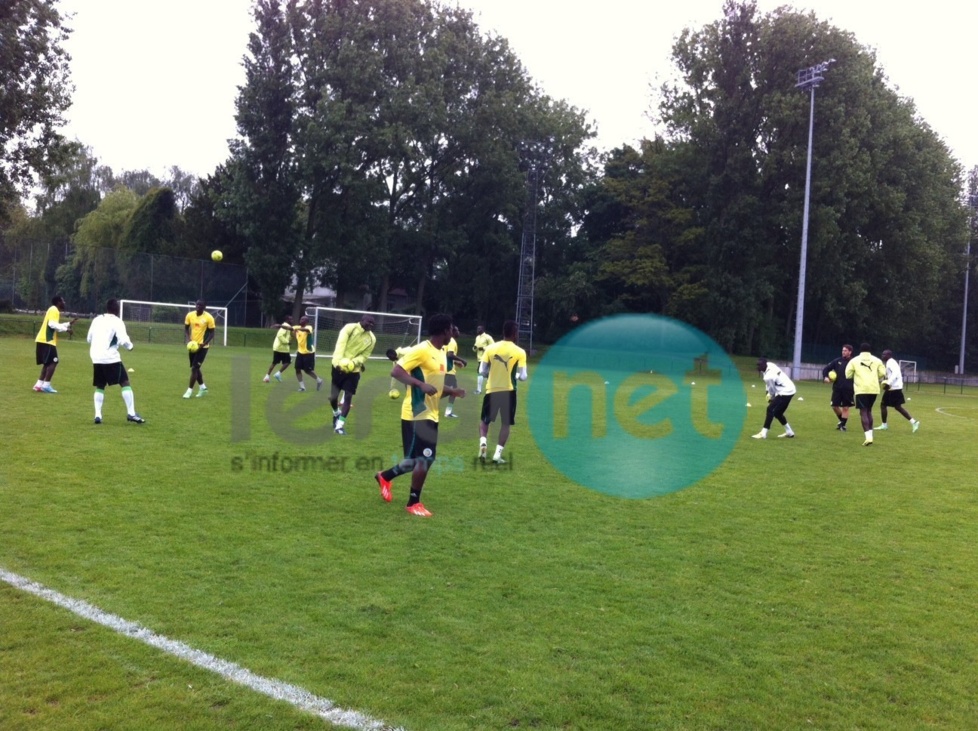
[833, 375]
[193, 346]
[216, 255]
[346, 365]
[394, 394]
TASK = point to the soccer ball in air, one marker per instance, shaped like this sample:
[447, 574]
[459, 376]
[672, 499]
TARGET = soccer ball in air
[216, 255]
[193, 346]
[394, 394]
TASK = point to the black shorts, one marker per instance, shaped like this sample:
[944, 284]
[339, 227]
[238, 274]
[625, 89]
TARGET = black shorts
[284, 358]
[419, 439]
[109, 374]
[893, 397]
[197, 358]
[305, 362]
[344, 381]
[46, 354]
[865, 401]
[499, 403]
[842, 396]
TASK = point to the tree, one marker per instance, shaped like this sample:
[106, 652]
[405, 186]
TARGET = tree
[33, 96]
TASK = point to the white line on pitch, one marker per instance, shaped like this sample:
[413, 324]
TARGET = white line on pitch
[296, 696]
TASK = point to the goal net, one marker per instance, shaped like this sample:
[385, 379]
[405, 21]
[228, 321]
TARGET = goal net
[392, 330]
[163, 322]
[909, 370]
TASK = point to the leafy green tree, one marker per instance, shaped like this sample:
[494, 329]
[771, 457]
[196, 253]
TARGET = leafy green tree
[34, 95]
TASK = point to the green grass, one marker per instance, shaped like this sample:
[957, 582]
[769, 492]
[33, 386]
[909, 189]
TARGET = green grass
[809, 583]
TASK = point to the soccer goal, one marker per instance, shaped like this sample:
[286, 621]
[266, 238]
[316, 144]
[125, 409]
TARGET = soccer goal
[392, 330]
[909, 370]
[163, 322]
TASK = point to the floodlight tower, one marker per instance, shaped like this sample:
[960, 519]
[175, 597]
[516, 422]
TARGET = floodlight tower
[807, 79]
[528, 256]
[973, 202]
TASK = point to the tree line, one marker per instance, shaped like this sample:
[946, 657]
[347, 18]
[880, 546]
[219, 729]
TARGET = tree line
[387, 144]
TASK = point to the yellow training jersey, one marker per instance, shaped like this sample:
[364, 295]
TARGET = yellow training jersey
[354, 343]
[48, 334]
[282, 340]
[505, 358]
[481, 343]
[303, 338]
[426, 363]
[199, 325]
[866, 372]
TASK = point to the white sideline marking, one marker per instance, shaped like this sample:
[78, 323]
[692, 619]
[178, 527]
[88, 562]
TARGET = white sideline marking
[940, 410]
[292, 694]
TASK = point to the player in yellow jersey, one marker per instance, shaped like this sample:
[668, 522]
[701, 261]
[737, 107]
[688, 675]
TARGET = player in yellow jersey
[482, 341]
[280, 350]
[354, 344]
[867, 372]
[305, 358]
[451, 377]
[46, 348]
[199, 327]
[503, 363]
[422, 369]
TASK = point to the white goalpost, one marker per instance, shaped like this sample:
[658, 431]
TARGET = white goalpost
[909, 370]
[163, 322]
[393, 330]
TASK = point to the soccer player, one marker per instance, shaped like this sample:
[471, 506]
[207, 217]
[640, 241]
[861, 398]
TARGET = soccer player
[502, 364]
[893, 393]
[199, 327]
[46, 348]
[482, 341]
[106, 333]
[422, 369]
[780, 391]
[841, 386]
[866, 372]
[451, 377]
[281, 356]
[305, 358]
[355, 343]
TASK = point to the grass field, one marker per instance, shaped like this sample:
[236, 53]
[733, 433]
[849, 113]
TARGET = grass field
[807, 583]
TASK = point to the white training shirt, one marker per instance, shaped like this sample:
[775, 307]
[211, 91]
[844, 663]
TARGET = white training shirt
[894, 375]
[776, 381]
[105, 335]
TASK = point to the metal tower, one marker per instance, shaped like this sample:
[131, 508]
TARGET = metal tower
[528, 256]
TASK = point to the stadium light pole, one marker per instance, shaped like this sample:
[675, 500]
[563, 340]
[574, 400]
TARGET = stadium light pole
[807, 79]
[973, 203]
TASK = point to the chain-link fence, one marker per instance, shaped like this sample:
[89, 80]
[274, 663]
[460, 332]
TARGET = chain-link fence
[31, 273]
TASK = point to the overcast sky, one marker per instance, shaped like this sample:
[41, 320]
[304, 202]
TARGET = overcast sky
[155, 83]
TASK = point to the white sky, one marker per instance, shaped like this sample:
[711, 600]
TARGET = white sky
[155, 83]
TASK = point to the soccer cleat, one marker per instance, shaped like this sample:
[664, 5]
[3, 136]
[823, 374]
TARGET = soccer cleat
[340, 431]
[759, 435]
[450, 415]
[37, 389]
[868, 443]
[482, 453]
[302, 389]
[478, 391]
[882, 427]
[319, 384]
[135, 419]
[786, 435]
[843, 428]
[840, 426]
[498, 460]
[418, 509]
[266, 379]
[202, 391]
[47, 389]
[188, 393]
[915, 424]
[278, 376]
[98, 419]
[385, 486]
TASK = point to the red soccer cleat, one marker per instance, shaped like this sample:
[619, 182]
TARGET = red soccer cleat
[385, 486]
[418, 509]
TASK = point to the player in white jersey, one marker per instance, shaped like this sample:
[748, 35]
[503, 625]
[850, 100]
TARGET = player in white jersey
[106, 334]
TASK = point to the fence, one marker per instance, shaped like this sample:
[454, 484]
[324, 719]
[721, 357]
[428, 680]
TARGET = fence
[31, 273]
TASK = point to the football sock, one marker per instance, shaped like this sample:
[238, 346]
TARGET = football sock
[787, 428]
[479, 383]
[764, 432]
[39, 383]
[130, 400]
[499, 452]
[414, 498]
[869, 435]
[99, 400]
[483, 441]
[340, 421]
